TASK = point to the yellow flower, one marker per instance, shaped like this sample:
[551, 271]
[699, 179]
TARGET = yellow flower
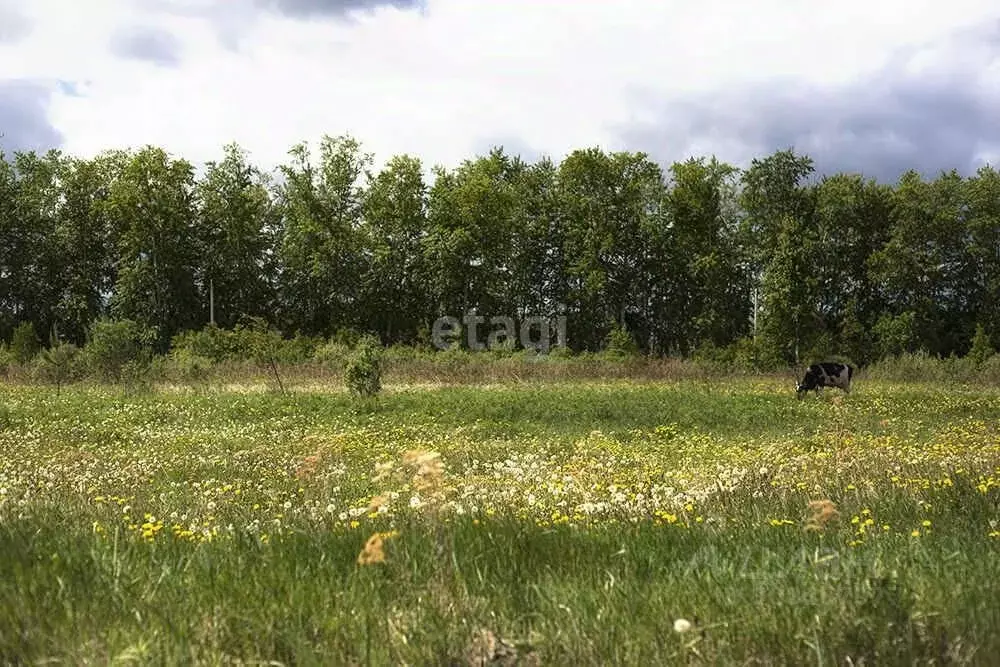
[373, 550]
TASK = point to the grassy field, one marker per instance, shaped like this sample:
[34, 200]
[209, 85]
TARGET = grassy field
[567, 523]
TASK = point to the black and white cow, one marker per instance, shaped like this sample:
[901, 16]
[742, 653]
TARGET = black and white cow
[826, 374]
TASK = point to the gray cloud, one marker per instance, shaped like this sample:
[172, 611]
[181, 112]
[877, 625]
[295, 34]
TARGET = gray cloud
[231, 19]
[14, 26]
[24, 124]
[340, 8]
[148, 44]
[880, 127]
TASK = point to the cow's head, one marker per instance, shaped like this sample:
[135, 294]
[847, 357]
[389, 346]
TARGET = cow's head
[808, 382]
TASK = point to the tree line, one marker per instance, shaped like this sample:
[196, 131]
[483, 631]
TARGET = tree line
[697, 258]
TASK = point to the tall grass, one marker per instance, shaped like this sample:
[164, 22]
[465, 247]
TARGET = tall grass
[309, 368]
[576, 523]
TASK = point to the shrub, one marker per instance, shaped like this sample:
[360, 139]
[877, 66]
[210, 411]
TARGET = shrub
[119, 350]
[896, 335]
[57, 365]
[363, 373]
[981, 349]
[24, 343]
[299, 349]
[989, 372]
[6, 358]
[346, 336]
[189, 366]
[210, 342]
[262, 343]
[560, 352]
[620, 342]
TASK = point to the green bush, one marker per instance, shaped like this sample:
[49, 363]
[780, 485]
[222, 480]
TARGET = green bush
[982, 348]
[560, 352]
[620, 343]
[347, 336]
[262, 343]
[299, 349]
[57, 365]
[24, 343]
[332, 355]
[6, 358]
[189, 366]
[210, 342]
[119, 350]
[896, 335]
[363, 373]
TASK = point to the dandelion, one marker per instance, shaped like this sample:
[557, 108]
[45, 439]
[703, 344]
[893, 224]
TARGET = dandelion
[682, 625]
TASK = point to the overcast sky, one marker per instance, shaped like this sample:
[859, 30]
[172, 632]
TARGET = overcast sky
[875, 86]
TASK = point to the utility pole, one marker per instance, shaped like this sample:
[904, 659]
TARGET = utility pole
[211, 302]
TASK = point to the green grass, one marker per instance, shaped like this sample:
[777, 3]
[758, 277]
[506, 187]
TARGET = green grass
[577, 521]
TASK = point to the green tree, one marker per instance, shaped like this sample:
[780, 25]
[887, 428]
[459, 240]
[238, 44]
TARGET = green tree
[472, 218]
[926, 268]
[853, 219]
[707, 298]
[790, 289]
[320, 243]
[776, 204]
[84, 246]
[29, 261]
[237, 226]
[152, 209]
[983, 226]
[538, 277]
[613, 207]
[897, 334]
[394, 226]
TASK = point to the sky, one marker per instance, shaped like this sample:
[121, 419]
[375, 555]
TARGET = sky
[868, 86]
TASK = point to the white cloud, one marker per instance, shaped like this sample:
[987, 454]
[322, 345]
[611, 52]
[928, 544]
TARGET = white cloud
[556, 75]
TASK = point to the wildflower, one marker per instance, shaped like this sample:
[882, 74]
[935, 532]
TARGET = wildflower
[823, 513]
[682, 625]
[373, 551]
[375, 504]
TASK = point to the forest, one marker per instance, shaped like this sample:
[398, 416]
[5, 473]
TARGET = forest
[696, 258]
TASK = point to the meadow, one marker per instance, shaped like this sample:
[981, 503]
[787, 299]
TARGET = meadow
[567, 522]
